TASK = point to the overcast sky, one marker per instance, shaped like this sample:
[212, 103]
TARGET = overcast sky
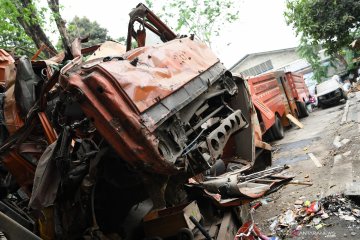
[260, 27]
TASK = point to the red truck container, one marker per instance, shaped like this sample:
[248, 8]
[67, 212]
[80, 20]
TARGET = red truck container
[275, 95]
[299, 90]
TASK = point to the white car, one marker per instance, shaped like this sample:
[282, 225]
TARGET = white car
[329, 93]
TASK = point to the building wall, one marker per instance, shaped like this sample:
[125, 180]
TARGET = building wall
[278, 60]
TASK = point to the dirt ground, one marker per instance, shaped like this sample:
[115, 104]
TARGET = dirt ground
[339, 173]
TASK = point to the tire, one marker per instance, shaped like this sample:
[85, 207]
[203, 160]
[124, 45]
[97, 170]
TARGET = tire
[277, 129]
[268, 136]
[185, 234]
[303, 111]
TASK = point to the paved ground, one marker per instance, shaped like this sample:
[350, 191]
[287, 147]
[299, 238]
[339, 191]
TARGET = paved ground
[340, 170]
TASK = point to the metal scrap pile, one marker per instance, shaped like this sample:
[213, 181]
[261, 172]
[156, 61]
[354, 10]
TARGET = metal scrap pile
[97, 141]
[234, 186]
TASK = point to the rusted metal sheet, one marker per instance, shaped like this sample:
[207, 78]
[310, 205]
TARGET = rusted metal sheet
[21, 169]
[287, 94]
[145, 17]
[246, 143]
[6, 66]
[106, 49]
[273, 94]
[267, 96]
[148, 81]
[113, 92]
[49, 131]
[11, 112]
[298, 86]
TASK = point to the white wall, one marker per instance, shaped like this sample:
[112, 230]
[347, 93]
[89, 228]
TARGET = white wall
[278, 60]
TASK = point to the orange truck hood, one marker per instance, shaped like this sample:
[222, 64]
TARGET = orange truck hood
[160, 70]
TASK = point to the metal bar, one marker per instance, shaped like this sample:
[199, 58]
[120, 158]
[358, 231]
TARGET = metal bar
[201, 228]
[14, 230]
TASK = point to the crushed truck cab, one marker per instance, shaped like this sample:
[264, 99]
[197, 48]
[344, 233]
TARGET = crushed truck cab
[163, 108]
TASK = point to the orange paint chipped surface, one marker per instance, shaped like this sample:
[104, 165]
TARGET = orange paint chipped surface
[161, 69]
[6, 65]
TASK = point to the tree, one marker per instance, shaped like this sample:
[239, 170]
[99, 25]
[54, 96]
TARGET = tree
[328, 24]
[204, 18]
[60, 23]
[24, 13]
[12, 35]
[81, 27]
[331, 23]
[311, 54]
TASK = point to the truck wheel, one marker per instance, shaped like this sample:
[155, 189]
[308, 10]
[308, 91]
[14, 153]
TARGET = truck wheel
[268, 136]
[277, 129]
[303, 111]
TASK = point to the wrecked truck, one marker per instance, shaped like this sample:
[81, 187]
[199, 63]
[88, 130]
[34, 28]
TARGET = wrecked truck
[91, 133]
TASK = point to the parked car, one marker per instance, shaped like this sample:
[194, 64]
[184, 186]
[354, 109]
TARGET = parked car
[329, 93]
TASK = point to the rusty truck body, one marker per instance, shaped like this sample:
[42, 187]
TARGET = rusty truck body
[275, 95]
[87, 139]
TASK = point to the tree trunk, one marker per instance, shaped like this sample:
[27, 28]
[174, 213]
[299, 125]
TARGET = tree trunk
[341, 59]
[60, 23]
[32, 26]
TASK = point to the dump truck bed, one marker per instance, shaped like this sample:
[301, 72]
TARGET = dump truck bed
[298, 86]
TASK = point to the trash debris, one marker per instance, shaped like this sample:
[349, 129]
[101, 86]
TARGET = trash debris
[249, 230]
[265, 201]
[316, 220]
[314, 214]
[317, 227]
[356, 212]
[324, 215]
[314, 207]
[287, 218]
[347, 217]
[346, 154]
[345, 141]
[315, 160]
[337, 158]
[298, 182]
[273, 225]
[336, 142]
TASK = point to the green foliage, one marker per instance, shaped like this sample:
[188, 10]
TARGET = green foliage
[203, 18]
[82, 27]
[331, 24]
[310, 53]
[121, 40]
[12, 35]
